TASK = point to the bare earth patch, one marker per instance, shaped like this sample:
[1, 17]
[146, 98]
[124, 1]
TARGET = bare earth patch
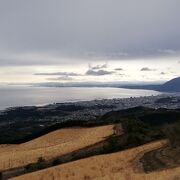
[115, 166]
[51, 145]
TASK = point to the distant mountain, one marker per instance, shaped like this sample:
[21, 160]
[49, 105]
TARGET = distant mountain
[170, 86]
[155, 87]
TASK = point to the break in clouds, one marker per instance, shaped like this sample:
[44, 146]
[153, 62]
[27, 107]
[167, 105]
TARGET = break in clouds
[39, 34]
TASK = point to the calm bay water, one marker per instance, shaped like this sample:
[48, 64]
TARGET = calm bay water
[22, 96]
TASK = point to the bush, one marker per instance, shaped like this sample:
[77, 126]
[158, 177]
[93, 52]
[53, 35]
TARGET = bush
[41, 160]
[56, 162]
[40, 164]
[172, 132]
[112, 145]
[137, 132]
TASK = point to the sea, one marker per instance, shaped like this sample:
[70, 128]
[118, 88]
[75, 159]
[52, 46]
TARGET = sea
[13, 96]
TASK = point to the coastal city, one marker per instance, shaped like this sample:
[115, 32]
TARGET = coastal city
[35, 119]
[93, 109]
[90, 110]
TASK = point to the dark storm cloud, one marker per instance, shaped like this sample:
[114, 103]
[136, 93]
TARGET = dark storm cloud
[147, 69]
[86, 29]
[98, 73]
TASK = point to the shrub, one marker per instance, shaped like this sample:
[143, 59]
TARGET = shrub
[40, 164]
[172, 132]
[56, 162]
[41, 159]
[137, 132]
[112, 145]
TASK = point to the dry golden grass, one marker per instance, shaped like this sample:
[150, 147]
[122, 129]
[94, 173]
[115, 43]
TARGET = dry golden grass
[117, 166]
[51, 145]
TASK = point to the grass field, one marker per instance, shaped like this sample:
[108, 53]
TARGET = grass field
[51, 145]
[122, 165]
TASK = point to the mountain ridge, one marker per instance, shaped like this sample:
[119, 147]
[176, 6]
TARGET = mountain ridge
[172, 85]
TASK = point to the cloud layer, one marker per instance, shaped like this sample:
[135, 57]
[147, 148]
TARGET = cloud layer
[58, 74]
[98, 73]
[46, 32]
[56, 40]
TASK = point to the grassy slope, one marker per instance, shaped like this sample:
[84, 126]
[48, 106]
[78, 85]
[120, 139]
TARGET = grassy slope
[51, 145]
[136, 131]
[121, 165]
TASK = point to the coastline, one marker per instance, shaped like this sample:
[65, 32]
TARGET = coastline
[92, 102]
[33, 96]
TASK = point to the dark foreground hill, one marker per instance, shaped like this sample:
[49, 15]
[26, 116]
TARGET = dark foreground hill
[132, 127]
[149, 116]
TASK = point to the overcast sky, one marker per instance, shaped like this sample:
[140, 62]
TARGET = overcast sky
[81, 40]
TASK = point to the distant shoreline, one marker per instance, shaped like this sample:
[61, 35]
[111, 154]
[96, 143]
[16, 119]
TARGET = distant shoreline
[162, 95]
[40, 96]
[37, 119]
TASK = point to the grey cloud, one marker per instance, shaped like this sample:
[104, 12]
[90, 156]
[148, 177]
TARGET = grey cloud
[162, 73]
[97, 67]
[98, 73]
[147, 69]
[58, 73]
[63, 78]
[118, 69]
[112, 29]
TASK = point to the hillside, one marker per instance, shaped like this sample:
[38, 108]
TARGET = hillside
[130, 128]
[121, 165]
[172, 85]
[51, 145]
[150, 116]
